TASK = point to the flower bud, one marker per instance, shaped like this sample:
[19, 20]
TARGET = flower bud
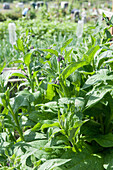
[33, 35]
[58, 59]
[31, 47]
[58, 82]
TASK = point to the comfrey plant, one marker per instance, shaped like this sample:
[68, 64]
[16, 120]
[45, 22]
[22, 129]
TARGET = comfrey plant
[63, 120]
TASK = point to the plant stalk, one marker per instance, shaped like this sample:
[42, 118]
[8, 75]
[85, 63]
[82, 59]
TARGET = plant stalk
[16, 121]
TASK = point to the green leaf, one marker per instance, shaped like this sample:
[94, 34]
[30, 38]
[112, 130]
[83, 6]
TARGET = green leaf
[18, 75]
[51, 51]
[108, 159]
[108, 34]
[73, 131]
[2, 67]
[38, 144]
[5, 77]
[50, 164]
[90, 54]
[27, 59]
[23, 98]
[38, 97]
[86, 73]
[37, 116]
[16, 61]
[26, 155]
[98, 94]
[50, 92]
[36, 127]
[19, 102]
[103, 58]
[30, 136]
[90, 129]
[49, 125]
[104, 140]
[93, 40]
[71, 68]
[66, 44]
[67, 55]
[82, 160]
[20, 45]
[100, 76]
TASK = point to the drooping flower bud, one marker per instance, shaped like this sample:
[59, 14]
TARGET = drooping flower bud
[58, 82]
[58, 59]
[62, 58]
[31, 47]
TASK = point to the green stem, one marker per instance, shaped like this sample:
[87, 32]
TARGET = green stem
[30, 79]
[102, 124]
[16, 121]
[64, 88]
[59, 68]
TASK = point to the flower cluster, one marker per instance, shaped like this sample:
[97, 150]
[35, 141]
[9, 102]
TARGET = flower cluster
[60, 58]
[56, 81]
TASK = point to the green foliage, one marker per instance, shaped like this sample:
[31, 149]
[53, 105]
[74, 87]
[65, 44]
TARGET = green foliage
[63, 116]
[14, 16]
[2, 17]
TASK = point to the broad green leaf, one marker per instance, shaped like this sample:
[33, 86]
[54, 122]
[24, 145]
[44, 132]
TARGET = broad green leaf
[38, 97]
[26, 155]
[19, 102]
[50, 164]
[20, 45]
[67, 55]
[105, 140]
[50, 92]
[42, 115]
[82, 160]
[51, 51]
[108, 34]
[98, 94]
[73, 131]
[16, 61]
[108, 159]
[49, 125]
[48, 56]
[2, 159]
[20, 148]
[100, 76]
[52, 105]
[30, 136]
[19, 75]
[5, 77]
[75, 77]
[65, 100]
[2, 67]
[104, 58]
[71, 68]
[90, 129]
[93, 40]
[36, 127]
[24, 98]
[66, 44]
[38, 144]
[90, 54]
[27, 59]
[26, 94]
